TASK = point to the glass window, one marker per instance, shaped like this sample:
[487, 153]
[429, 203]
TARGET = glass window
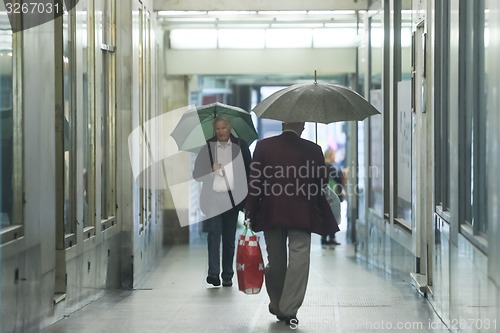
[406, 28]
[473, 109]
[108, 156]
[359, 188]
[140, 38]
[375, 169]
[403, 140]
[441, 73]
[69, 123]
[481, 211]
[6, 121]
[85, 23]
[148, 107]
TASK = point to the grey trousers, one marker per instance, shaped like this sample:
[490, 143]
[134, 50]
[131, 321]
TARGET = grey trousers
[287, 272]
[222, 226]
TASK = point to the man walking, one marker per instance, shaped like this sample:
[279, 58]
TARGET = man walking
[222, 166]
[285, 201]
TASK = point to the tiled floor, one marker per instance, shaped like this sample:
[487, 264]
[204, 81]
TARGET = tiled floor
[343, 295]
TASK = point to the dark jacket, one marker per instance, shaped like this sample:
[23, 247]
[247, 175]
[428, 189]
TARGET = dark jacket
[203, 167]
[285, 188]
[337, 176]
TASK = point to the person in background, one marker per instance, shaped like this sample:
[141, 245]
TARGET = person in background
[222, 165]
[336, 181]
[286, 202]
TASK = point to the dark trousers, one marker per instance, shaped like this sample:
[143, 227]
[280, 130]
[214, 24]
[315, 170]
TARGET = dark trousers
[223, 225]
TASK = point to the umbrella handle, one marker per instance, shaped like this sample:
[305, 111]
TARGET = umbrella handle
[316, 124]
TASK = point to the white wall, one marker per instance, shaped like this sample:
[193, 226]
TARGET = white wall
[266, 62]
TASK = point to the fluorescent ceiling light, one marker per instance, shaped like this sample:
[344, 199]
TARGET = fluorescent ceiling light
[231, 12]
[282, 12]
[243, 26]
[190, 20]
[288, 38]
[332, 38]
[296, 25]
[331, 12]
[242, 38]
[242, 19]
[193, 39]
[321, 12]
[341, 25]
[181, 12]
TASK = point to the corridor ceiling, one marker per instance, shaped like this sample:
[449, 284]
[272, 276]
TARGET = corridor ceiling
[258, 14]
[260, 5]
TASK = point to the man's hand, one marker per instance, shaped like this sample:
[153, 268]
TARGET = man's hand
[247, 223]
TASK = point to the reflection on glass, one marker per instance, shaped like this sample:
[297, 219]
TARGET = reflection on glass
[105, 154]
[6, 122]
[107, 115]
[376, 51]
[362, 65]
[405, 45]
[147, 39]
[404, 121]
[142, 192]
[376, 159]
[83, 31]
[481, 192]
[68, 59]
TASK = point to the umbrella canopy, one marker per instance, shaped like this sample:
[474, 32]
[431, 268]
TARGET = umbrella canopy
[315, 102]
[195, 127]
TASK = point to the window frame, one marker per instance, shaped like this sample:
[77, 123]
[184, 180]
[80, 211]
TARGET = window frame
[108, 116]
[442, 93]
[70, 220]
[472, 121]
[16, 228]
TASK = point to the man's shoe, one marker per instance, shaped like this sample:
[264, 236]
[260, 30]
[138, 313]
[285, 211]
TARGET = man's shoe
[213, 280]
[291, 321]
[227, 283]
[332, 242]
[280, 318]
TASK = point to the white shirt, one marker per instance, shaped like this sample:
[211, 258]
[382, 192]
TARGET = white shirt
[224, 156]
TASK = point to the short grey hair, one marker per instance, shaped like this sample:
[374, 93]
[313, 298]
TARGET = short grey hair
[224, 119]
